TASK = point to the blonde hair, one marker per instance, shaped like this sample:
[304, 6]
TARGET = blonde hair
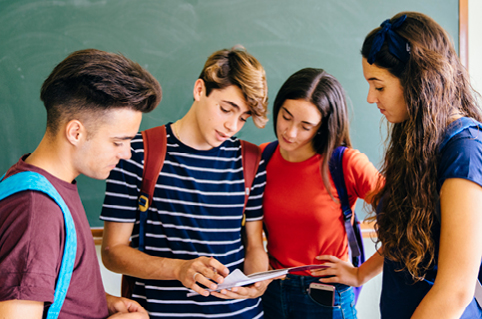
[237, 67]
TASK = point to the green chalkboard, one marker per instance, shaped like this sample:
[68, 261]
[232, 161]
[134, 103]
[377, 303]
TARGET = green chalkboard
[173, 38]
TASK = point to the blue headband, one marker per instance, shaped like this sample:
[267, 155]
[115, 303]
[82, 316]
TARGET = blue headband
[397, 45]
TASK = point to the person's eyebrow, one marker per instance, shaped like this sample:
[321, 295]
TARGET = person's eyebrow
[123, 138]
[374, 79]
[235, 106]
[286, 110]
[231, 103]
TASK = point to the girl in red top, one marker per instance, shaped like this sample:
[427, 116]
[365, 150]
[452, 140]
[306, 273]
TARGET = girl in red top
[302, 212]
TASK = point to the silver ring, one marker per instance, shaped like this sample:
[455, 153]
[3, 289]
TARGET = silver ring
[194, 276]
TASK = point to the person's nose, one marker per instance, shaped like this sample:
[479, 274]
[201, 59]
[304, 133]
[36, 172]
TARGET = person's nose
[231, 124]
[372, 96]
[125, 153]
[291, 131]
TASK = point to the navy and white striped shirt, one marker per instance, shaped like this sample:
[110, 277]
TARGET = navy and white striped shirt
[196, 211]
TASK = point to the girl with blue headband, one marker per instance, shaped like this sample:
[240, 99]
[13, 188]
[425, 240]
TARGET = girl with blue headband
[428, 212]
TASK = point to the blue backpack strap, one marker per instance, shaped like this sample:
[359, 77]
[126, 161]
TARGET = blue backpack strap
[353, 231]
[266, 156]
[336, 170]
[268, 151]
[36, 182]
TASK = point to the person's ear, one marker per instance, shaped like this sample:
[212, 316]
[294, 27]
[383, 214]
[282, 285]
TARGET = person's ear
[75, 132]
[199, 89]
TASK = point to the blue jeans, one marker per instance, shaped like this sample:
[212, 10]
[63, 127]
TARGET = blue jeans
[289, 299]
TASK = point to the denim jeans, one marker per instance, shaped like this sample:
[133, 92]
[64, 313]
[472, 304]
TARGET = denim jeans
[289, 299]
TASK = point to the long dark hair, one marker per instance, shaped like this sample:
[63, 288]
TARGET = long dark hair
[327, 94]
[435, 87]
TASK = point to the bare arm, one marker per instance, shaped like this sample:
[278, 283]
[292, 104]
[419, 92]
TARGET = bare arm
[460, 251]
[343, 272]
[119, 257]
[21, 309]
[256, 260]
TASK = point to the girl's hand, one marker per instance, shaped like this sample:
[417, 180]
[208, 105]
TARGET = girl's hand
[338, 271]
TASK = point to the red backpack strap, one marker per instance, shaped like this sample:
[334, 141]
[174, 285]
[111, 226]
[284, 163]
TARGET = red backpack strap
[155, 147]
[251, 155]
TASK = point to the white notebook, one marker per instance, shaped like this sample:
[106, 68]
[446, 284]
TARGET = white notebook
[237, 278]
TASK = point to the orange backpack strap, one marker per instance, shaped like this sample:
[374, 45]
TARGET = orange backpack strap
[251, 155]
[155, 147]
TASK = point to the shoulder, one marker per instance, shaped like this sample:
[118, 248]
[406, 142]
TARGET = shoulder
[31, 246]
[461, 157]
[354, 159]
[29, 209]
[361, 176]
[263, 146]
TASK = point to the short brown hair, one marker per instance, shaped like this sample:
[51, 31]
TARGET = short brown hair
[237, 67]
[89, 82]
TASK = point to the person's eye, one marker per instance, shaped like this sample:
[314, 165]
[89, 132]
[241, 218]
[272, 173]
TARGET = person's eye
[118, 144]
[306, 128]
[223, 109]
[379, 89]
[286, 118]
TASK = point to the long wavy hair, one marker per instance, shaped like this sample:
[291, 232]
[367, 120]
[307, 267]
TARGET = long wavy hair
[435, 87]
[326, 93]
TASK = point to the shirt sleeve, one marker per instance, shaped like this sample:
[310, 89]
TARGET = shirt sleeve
[122, 187]
[31, 241]
[254, 211]
[361, 176]
[462, 158]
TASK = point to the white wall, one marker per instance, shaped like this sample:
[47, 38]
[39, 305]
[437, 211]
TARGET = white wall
[475, 44]
[112, 281]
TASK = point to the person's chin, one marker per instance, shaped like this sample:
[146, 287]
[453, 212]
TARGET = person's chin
[285, 144]
[216, 143]
[99, 175]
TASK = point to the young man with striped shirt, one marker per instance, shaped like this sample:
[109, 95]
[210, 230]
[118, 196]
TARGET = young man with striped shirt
[193, 228]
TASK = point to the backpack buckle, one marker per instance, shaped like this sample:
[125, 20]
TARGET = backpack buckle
[348, 213]
[143, 203]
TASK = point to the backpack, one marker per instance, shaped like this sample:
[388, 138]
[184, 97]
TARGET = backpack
[24, 181]
[155, 148]
[451, 132]
[353, 231]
